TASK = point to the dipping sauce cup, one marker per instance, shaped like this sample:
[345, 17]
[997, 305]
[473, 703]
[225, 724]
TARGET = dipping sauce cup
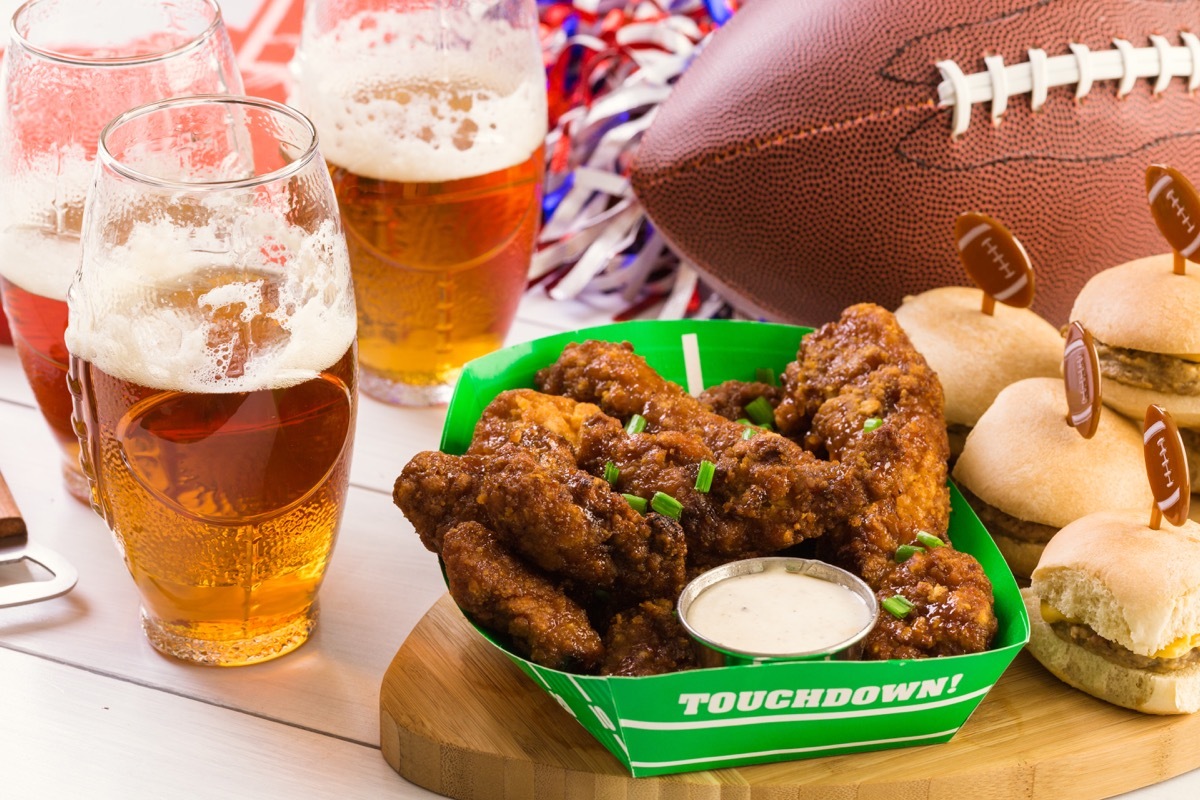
[778, 609]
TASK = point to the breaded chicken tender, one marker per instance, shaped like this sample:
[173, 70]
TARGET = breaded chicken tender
[647, 640]
[505, 594]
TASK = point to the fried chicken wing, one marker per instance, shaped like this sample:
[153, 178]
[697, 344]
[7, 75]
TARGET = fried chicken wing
[647, 640]
[535, 421]
[768, 492]
[952, 608]
[861, 394]
[503, 593]
[729, 399]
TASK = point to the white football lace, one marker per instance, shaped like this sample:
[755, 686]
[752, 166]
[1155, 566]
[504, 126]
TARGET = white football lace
[1082, 67]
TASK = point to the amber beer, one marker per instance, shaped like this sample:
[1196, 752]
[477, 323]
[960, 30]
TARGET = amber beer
[432, 119]
[226, 504]
[37, 317]
[439, 267]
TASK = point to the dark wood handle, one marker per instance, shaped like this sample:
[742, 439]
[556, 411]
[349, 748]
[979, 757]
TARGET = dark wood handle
[11, 523]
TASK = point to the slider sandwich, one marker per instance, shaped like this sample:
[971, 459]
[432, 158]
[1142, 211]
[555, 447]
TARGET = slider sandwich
[1026, 472]
[1145, 321]
[974, 354]
[1114, 608]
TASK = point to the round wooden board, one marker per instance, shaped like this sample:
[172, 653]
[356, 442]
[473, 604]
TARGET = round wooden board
[457, 717]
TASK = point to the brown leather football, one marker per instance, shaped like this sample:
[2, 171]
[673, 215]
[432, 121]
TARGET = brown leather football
[817, 152]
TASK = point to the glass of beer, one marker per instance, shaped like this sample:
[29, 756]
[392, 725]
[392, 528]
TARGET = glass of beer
[71, 66]
[432, 115]
[213, 369]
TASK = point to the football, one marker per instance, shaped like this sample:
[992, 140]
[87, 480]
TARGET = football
[817, 153]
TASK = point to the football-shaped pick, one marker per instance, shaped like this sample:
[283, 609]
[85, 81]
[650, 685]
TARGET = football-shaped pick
[994, 259]
[1175, 206]
[816, 153]
[1166, 465]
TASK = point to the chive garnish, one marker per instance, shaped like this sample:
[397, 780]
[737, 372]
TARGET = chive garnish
[760, 412]
[704, 477]
[765, 375]
[611, 473]
[666, 505]
[638, 504]
[871, 424]
[898, 606]
[905, 551]
[929, 540]
[637, 424]
[749, 431]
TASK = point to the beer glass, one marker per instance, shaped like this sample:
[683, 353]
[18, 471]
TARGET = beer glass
[213, 369]
[432, 115]
[71, 66]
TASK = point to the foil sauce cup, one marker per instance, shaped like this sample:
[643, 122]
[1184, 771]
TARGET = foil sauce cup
[775, 608]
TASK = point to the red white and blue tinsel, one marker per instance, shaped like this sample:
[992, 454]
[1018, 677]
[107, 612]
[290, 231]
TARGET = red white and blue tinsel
[609, 64]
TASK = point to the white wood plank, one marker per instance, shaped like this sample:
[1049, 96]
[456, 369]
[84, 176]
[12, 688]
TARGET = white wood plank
[68, 732]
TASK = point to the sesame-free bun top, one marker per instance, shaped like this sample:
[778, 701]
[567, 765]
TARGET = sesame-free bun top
[1143, 305]
[1134, 586]
[975, 355]
[1023, 458]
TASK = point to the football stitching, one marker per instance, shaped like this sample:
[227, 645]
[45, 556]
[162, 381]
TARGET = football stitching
[923, 163]
[705, 160]
[1082, 67]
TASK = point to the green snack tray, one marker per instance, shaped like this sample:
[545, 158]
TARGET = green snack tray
[748, 714]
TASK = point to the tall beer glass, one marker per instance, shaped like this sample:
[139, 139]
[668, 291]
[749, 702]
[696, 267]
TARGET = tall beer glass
[71, 66]
[432, 115]
[213, 369]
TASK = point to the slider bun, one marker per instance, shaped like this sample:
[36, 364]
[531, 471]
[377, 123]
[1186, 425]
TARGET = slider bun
[976, 355]
[1175, 692]
[1023, 458]
[1143, 305]
[1021, 556]
[1134, 586]
[1132, 402]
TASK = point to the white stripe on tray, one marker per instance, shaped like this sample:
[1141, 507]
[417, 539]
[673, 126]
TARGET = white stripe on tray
[826, 715]
[691, 363]
[793, 750]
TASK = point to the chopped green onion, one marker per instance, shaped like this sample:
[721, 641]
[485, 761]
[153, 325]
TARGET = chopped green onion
[611, 473]
[704, 477]
[666, 505]
[765, 375]
[929, 540]
[898, 606]
[750, 431]
[760, 412]
[638, 504]
[871, 424]
[905, 551]
[637, 424]
[744, 421]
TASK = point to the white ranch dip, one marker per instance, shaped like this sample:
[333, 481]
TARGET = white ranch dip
[776, 612]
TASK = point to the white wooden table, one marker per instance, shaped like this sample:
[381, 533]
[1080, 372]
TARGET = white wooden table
[89, 709]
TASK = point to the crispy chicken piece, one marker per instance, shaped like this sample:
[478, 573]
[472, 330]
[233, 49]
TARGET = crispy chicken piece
[503, 593]
[952, 608]
[729, 399]
[647, 640]
[863, 368]
[768, 493]
[536, 421]
[566, 522]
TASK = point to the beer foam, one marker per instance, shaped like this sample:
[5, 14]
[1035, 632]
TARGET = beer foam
[189, 309]
[389, 105]
[41, 208]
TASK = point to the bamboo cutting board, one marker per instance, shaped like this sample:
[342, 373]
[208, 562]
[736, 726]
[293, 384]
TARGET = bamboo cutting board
[458, 718]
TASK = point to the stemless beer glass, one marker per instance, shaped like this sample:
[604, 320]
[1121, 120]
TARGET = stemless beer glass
[432, 115]
[212, 364]
[71, 66]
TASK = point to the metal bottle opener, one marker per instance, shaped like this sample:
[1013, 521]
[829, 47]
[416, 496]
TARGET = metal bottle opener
[15, 547]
